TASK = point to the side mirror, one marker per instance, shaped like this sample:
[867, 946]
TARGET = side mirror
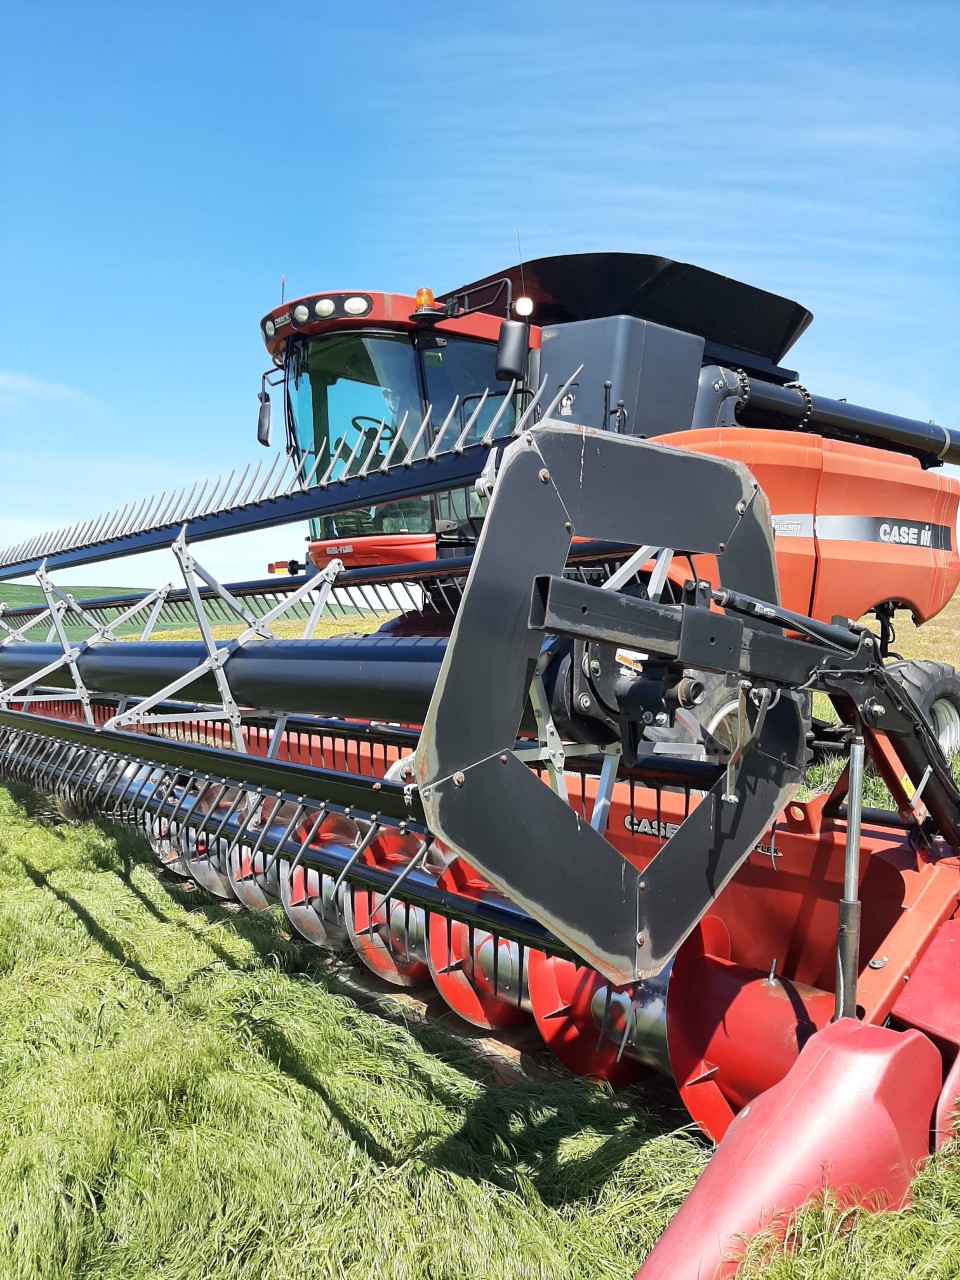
[512, 349]
[263, 422]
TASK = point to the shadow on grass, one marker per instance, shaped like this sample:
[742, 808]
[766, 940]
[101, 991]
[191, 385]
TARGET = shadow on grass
[103, 939]
[509, 1133]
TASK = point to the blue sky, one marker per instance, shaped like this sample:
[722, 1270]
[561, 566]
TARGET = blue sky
[161, 166]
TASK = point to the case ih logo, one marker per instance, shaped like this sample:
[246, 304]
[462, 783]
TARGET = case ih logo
[914, 535]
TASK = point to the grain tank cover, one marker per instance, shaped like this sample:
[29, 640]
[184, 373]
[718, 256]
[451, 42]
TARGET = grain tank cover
[730, 316]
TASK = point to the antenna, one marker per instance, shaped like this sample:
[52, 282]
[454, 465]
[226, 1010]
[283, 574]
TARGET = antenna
[283, 285]
[523, 290]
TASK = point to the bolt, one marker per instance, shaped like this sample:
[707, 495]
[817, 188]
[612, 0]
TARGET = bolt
[594, 668]
[647, 717]
[661, 718]
[642, 884]
[377, 785]
[503, 758]
[568, 527]
[458, 779]
[641, 939]
[584, 702]
[741, 507]
[544, 476]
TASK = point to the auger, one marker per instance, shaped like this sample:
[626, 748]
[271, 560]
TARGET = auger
[554, 769]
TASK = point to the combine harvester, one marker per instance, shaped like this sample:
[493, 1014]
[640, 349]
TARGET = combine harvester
[610, 547]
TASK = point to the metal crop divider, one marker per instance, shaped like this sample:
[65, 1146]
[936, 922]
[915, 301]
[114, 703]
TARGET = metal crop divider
[257, 628]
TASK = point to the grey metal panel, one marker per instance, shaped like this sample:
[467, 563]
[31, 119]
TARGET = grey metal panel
[477, 795]
[653, 369]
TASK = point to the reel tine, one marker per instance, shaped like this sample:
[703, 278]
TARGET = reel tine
[432, 451]
[490, 431]
[154, 795]
[98, 763]
[25, 749]
[231, 810]
[205, 818]
[395, 442]
[131, 807]
[30, 748]
[264, 830]
[605, 1020]
[301, 852]
[561, 393]
[108, 775]
[414, 862]
[297, 815]
[628, 1020]
[461, 441]
[232, 501]
[357, 854]
[198, 797]
[249, 817]
[531, 408]
[131, 777]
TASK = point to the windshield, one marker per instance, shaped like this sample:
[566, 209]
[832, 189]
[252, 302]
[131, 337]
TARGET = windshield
[350, 396]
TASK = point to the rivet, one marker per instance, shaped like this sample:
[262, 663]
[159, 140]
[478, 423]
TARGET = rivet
[877, 962]
[503, 758]
[641, 939]
[458, 779]
[544, 476]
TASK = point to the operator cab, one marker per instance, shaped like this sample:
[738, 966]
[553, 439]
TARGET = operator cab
[362, 387]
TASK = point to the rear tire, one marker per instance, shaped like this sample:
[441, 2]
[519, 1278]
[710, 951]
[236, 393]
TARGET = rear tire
[935, 688]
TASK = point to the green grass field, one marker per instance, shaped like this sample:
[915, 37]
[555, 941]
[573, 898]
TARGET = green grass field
[189, 1093]
[17, 593]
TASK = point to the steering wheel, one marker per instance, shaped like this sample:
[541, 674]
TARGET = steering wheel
[356, 423]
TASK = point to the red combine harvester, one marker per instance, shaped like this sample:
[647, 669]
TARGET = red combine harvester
[598, 548]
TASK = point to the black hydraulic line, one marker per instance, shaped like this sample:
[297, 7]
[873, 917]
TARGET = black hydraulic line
[767, 405]
[839, 637]
[367, 677]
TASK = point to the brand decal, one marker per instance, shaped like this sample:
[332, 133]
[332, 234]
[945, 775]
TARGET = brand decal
[793, 526]
[914, 535]
[648, 827]
[886, 529]
[664, 830]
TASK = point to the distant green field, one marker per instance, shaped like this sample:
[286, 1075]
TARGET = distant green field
[17, 593]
